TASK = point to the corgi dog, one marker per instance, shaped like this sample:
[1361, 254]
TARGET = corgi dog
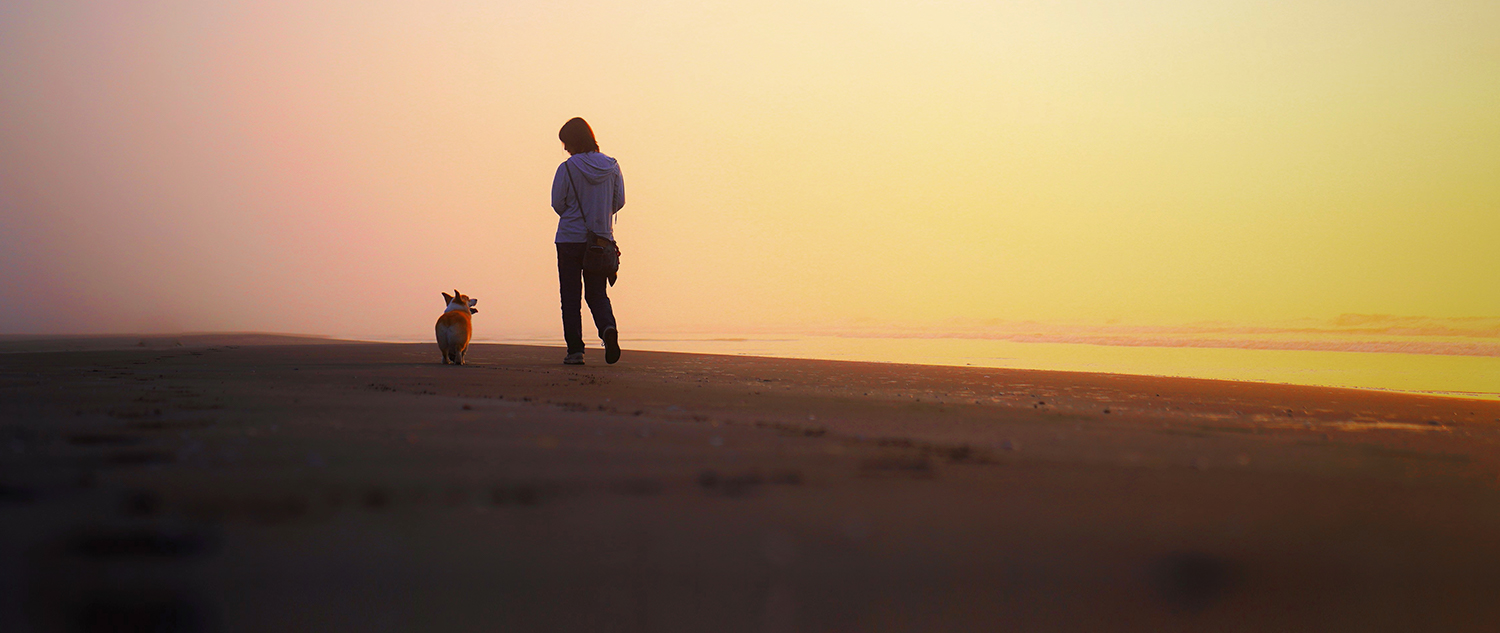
[455, 327]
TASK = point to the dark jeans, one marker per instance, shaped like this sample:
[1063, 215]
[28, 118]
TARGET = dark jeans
[571, 280]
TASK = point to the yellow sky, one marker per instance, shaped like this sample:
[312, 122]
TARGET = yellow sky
[330, 167]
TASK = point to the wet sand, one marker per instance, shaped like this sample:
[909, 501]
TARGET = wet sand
[245, 483]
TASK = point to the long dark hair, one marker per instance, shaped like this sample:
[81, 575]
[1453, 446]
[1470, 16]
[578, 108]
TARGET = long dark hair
[577, 136]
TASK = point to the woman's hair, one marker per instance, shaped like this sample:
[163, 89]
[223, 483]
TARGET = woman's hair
[577, 136]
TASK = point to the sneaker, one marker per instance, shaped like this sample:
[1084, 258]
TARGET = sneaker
[611, 345]
[576, 358]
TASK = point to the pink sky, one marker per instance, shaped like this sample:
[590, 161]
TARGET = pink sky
[331, 167]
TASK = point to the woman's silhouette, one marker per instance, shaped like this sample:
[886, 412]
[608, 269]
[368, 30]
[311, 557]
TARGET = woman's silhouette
[586, 193]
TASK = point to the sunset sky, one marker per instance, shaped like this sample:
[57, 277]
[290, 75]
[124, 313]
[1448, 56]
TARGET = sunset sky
[331, 167]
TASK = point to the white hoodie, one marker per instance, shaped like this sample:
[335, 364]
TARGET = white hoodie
[596, 178]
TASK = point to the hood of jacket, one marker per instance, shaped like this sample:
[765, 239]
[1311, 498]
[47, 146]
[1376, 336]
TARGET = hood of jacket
[595, 167]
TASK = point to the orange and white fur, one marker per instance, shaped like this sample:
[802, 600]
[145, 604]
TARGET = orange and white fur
[455, 327]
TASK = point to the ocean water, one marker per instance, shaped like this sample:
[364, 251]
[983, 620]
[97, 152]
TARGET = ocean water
[1468, 376]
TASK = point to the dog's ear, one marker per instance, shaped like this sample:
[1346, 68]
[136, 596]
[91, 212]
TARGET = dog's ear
[473, 310]
[447, 299]
[473, 302]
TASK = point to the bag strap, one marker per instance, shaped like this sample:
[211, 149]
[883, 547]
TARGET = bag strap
[568, 166]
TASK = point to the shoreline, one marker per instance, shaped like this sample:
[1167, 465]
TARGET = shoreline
[704, 347]
[97, 342]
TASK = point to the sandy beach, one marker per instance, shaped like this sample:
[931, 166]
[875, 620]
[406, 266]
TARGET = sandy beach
[256, 483]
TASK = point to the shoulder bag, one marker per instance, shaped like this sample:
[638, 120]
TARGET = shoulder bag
[600, 255]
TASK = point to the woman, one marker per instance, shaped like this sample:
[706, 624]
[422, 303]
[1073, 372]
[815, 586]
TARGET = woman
[586, 193]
